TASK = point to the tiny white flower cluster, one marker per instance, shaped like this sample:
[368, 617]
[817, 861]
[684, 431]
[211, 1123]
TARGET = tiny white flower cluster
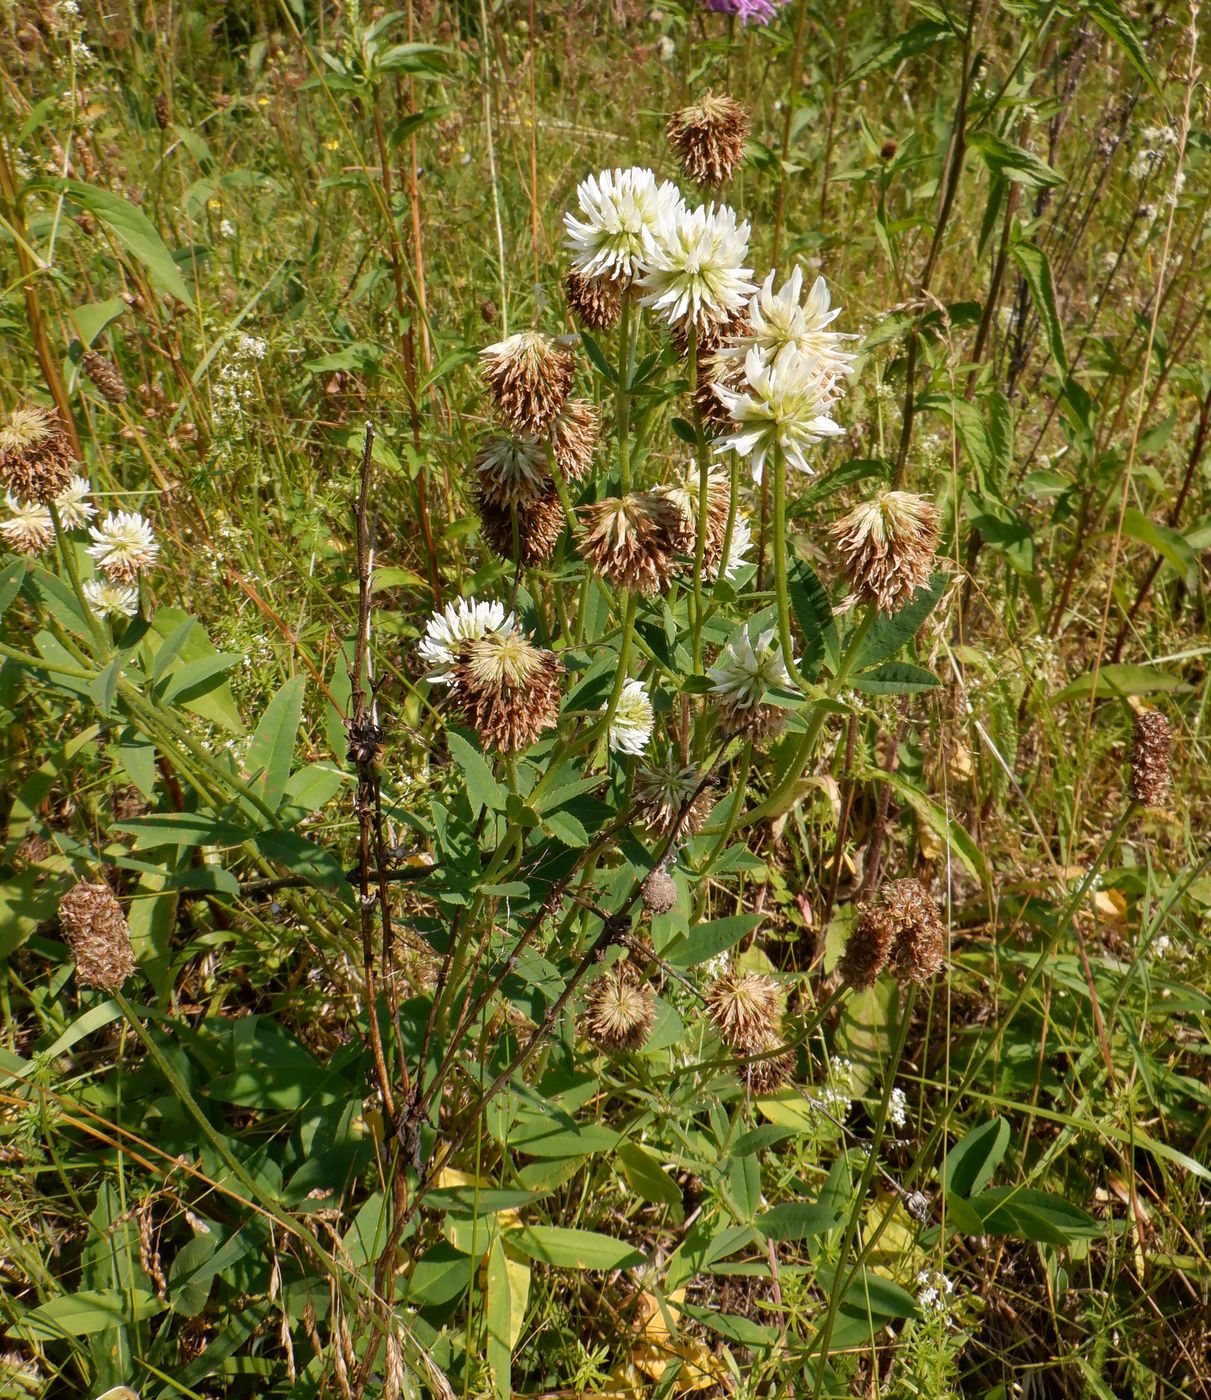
[1157, 142]
[235, 384]
[897, 1108]
[936, 1291]
[836, 1094]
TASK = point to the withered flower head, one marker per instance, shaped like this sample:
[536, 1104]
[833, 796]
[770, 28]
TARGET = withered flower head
[540, 523]
[746, 1009]
[888, 546]
[37, 460]
[715, 367]
[632, 540]
[573, 438]
[105, 375]
[512, 471]
[596, 302]
[28, 529]
[658, 891]
[507, 688]
[769, 1074]
[709, 138]
[668, 797]
[1150, 751]
[529, 375]
[98, 935]
[620, 1010]
[684, 495]
[900, 928]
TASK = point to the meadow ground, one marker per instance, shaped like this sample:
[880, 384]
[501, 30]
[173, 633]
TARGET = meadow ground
[668, 858]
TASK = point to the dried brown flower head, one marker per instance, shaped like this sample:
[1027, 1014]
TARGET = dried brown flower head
[684, 496]
[596, 302]
[512, 471]
[508, 689]
[540, 523]
[919, 950]
[658, 891]
[529, 375]
[867, 948]
[900, 928]
[746, 1009]
[888, 546]
[632, 540]
[669, 796]
[37, 459]
[1150, 750]
[755, 723]
[620, 1010]
[769, 1074]
[573, 438]
[98, 935]
[726, 371]
[105, 375]
[708, 138]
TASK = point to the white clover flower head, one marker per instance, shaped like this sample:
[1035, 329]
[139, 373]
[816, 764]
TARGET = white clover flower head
[29, 529]
[745, 670]
[897, 1108]
[74, 507]
[226, 229]
[784, 324]
[624, 213]
[464, 620]
[107, 599]
[123, 543]
[695, 275]
[631, 727]
[783, 405]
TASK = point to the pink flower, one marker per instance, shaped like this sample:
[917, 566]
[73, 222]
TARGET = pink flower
[761, 10]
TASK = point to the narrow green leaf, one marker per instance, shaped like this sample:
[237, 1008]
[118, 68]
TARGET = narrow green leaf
[895, 678]
[796, 1220]
[888, 634]
[272, 745]
[706, 941]
[950, 833]
[1121, 679]
[1035, 268]
[1110, 16]
[574, 1249]
[1009, 162]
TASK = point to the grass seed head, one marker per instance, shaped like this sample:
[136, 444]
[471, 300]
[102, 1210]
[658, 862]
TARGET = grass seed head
[98, 935]
[105, 375]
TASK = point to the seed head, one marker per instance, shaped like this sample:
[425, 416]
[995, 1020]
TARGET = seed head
[98, 935]
[37, 458]
[596, 302]
[540, 523]
[512, 471]
[1150, 752]
[708, 138]
[573, 438]
[620, 1011]
[632, 540]
[769, 1074]
[529, 375]
[746, 1009]
[105, 375]
[900, 927]
[669, 797]
[507, 688]
[658, 891]
[684, 495]
[888, 546]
